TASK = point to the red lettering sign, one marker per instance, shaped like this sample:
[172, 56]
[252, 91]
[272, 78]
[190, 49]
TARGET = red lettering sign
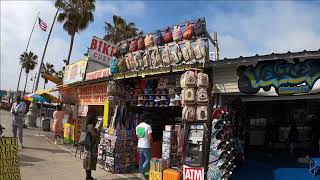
[98, 74]
[193, 173]
[93, 94]
[101, 50]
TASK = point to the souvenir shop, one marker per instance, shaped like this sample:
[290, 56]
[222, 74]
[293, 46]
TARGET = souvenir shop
[162, 77]
[274, 102]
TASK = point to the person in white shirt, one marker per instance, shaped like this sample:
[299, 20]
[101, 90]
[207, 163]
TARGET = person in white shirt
[18, 111]
[144, 135]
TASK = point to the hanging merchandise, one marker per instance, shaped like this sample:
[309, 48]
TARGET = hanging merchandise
[202, 96]
[188, 33]
[202, 113]
[166, 56]
[133, 45]
[159, 61]
[141, 44]
[176, 55]
[167, 38]
[158, 39]
[114, 66]
[148, 41]
[188, 96]
[187, 52]
[153, 59]
[202, 80]
[199, 51]
[122, 64]
[139, 59]
[135, 62]
[124, 48]
[199, 28]
[188, 79]
[129, 61]
[111, 88]
[177, 33]
[189, 113]
[146, 59]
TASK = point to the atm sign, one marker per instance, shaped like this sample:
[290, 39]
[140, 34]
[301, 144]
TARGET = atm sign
[190, 173]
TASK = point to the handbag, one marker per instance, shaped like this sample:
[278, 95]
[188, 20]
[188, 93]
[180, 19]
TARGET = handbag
[187, 34]
[166, 56]
[158, 39]
[167, 36]
[202, 96]
[188, 79]
[114, 66]
[148, 41]
[176, 54]
[199, 51]
[129, 62]
[146, 59]
[141, 44]
[159, 61]
[133, 45]
[202, 113]
[124, 48]
[188, 96]
[177, 34]
[202, 80]
[199, 28]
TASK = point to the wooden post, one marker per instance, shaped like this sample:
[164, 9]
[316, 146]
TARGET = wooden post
[216, 47]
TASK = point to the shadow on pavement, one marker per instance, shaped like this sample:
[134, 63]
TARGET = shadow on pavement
[25, 160]
[54, 151]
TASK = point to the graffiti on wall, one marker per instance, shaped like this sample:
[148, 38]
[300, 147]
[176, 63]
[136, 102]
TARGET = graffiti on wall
[285, 77]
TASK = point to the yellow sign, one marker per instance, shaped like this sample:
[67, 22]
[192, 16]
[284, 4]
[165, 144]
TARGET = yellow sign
[130, 74]
[106, 113]
[68, 133]
[161, 70]
[145, 72]
[118, 76]
[155, 175]
[9, 159]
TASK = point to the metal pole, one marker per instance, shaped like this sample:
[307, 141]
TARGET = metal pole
[34, 80]
[216, 46]
[27, 49]
[44, 51]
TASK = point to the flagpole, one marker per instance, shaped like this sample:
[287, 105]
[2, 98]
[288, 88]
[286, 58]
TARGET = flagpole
[45, 49]
[27, 48]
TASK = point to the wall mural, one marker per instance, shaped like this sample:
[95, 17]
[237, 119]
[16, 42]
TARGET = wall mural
[285, 77]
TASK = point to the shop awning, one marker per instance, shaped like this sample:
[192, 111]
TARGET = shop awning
[53, 79]
[279, 98]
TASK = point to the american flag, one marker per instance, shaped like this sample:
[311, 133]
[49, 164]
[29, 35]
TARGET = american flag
[43, 25]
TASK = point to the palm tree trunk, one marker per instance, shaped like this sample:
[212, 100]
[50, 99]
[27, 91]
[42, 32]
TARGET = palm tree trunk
[44, 85]
[19, 79]
[70, 49]
[25, 85]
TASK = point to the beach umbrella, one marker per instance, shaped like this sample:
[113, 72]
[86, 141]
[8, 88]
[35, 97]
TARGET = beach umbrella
[44, 97]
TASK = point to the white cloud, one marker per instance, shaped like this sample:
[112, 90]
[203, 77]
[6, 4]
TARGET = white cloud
[265, 28]
[17, 19]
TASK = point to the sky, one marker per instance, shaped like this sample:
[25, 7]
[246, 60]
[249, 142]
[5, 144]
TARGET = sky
[244, 28]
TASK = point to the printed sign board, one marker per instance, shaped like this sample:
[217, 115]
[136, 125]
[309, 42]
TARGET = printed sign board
[9, 159]
[93, 94]
[83, 110]
[100, 51]
[192, 173]
[106, 113]
[75, 72]
[98, 74]
[280, 77]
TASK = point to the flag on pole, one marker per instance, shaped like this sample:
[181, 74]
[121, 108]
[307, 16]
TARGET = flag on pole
[43, 26]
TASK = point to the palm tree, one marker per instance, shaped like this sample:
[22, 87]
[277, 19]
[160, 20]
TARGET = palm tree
[60, 74]
[28, 61]
[76, 15]
[120, 30]
[47, 69]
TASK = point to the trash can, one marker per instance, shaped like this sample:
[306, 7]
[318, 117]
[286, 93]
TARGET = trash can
[46, 124]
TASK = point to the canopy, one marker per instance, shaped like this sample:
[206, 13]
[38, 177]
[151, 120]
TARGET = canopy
[41, 96]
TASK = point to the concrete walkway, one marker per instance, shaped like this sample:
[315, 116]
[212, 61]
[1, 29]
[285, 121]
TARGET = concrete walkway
[43, 160]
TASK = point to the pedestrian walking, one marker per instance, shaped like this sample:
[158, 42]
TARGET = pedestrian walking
[91, 148]
[18, 111]
[57, 126]
[144, 135]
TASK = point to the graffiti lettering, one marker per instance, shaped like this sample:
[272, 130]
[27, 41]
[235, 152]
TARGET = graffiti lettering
[287, 78]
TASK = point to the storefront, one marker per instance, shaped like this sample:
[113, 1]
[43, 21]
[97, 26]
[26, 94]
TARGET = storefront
[277, 111]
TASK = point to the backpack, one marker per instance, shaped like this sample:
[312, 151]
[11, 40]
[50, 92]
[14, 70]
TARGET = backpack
[124, 47]
[177, 34]
[129, 62]
[187, 52]
[159, 61]
[135, 62]
[187, 34]
[148, 40]
[199, 28]
[188, 96]
[202, 96]
[167, 36]
[133, 45]
[122, 64]
[199, 51]
[202, 113]
[158, 39]
[166, 56]
[188, 79]
[176, 54]
[114, 66]
[146, 59]
[202, 80]
[141, 44]
[188, 113]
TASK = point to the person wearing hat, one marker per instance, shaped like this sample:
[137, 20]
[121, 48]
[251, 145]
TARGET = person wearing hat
[18, 111]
